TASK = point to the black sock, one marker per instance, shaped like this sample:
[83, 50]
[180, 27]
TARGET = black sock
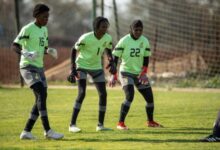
[41, 95]
[74, 116]
[101, 118]
[148, 96]
[125, 106]
[101, 88]
[79, 100]
[45, 123]
[124, 112]
[33, 118]
[149, 112]
[29, 125]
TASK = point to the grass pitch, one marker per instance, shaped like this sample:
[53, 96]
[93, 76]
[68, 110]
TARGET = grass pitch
[187, 117]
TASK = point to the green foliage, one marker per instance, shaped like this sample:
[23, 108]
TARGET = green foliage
[187, 117]
[212, 82]
[203, 82]
[190, 81]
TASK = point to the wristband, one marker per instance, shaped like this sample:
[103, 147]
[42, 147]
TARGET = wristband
[144, 70]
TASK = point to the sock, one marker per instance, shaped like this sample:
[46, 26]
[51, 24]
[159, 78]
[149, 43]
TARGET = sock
[150, 111]
[124, 112]
[74, 116]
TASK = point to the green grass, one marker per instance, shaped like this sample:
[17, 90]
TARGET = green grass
[187, 117]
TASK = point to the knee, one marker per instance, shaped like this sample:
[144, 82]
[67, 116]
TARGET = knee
[129, 97]
[150, 98]
[40, 91]
[127, 103]
[81, 96]
[102, 99]
[129, 92]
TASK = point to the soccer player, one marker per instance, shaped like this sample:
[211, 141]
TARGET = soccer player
[90, 47]
[32, 43]
[215, 136]
[134, 50]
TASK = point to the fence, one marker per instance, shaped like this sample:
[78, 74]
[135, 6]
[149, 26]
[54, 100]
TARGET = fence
[184, 34]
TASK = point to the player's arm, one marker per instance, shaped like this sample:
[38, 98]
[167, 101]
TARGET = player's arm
[73, 74]
[114, 77]
[16, 48]
[111, 64]
[73, 58]
[25, 53]
[18, 43]
[142, 76]
[51, 51]
[147, 53]
[117, 53]
[145, 64]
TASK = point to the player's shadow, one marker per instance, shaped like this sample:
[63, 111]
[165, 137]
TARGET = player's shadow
[185, 130]
[159, 131]
[156, 140]
[134, 140]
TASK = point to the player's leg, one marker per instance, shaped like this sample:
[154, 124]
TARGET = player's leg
[216, 128]
[77, 106]
[26, 133]
[41, 94]
[99, 80]
[79, 100]
[125, 106]
[147, 93]
[33, 116]
[127, 83]
[101, 88]
[31, 77]
[36, 79]
[49, 134]
[215, 136]
[148, 96]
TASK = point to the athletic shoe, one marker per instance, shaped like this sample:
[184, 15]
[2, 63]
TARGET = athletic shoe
[122, 126]
[211, 138]
[74, 129]
[25, 135]
[102, 128]
[153, 124]
[53, 135]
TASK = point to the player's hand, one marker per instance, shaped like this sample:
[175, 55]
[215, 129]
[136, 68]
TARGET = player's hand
[143, 79]
[29, 55]
[72, 76]
[113, 80]
[112, 67]
[142, 76]
[52, 52]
